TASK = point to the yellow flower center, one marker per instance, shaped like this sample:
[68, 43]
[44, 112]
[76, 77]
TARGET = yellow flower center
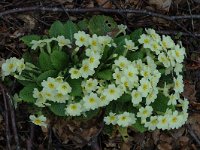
[73, 107]
[51, 85]
[10, 66]
[37, 121]
[123, 118]
[85, 68]
[82, 39]
[130, 74]
[111, 91]
[92, 100]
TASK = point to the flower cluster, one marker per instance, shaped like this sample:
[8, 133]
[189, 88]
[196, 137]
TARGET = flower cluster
[13, 65]
[94, 47]
[61, 40]
[53, 89]
[107, 81]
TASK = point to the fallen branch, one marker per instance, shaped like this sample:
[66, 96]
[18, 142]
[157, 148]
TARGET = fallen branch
[194, 136]
[12, 114]
[86, 10]
[6, 116]
[9, 108]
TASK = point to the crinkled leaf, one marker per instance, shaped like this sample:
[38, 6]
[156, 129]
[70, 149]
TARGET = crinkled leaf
[27, 57]
[139, 54]
[58, 108]
[76, 87]
[59, 59]
[105, 74]
[101, 25]
[83, 24]
[120, 41]
[139, 127]
[124, 133]
[125, 98]
[26, 94]
[56, 29]
[135, 35]
[28, 38]
[160, 104]
[70, 28]
[46, 74]
[45, 62]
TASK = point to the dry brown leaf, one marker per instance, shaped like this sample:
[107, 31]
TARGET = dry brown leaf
[189, 91]
[164, 146]
[194, 118]
[163, 5]
[29, 20]
[195, 105]
[166, 138]
[156, 136]
[183, 141]
[104, 3]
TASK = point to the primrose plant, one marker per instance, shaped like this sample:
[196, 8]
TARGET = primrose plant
[79, 70]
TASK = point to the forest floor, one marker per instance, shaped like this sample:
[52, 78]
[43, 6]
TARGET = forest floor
[15, 25]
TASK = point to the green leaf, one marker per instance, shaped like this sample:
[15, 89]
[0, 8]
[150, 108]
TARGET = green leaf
[125, 98]
[28, 38]
[58, 108]
[27, 57]
[92, 113]
[120, 41]
[139, 54]
[83, 24]
[135, 35]
[45, 61]
[105, 74]
[45, 75]
[108, 129]
[56, 29]
[26, 94]
[160, 104]
[138, 126]
[59, 59]
[124, 133]
[101, 25]
[70, 28]
[76, 87]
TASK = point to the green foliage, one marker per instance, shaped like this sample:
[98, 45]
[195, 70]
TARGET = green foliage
[58, 108]
[28, 38]
[105, 74]
[46, 74]
[27, 57]
[76, 87]
[135, 35]
[56, 29]
[101, 25]
[45, 61]
[160, 104]
[26, 94]
[83, 24]
[135, 55]
[120, 41]
[125, 98]
[59, 59]
[69, 29]
[139, 127]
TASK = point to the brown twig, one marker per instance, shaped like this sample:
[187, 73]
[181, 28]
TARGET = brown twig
[30, 140]
[86, 10]
[178, 33]
[6, 115]
[12, 114]
[8, 100]
[191, 132]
